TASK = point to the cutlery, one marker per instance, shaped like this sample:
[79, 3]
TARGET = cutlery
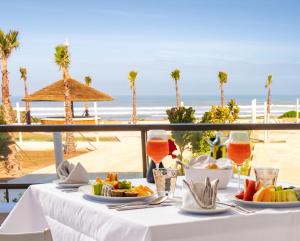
[239, 208]
[155, 201]
[68, 189]
[143, 206]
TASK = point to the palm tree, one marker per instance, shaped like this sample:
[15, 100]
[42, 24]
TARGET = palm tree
[62, 59]
[268, 87]
[132, 77]
[176, 76]
[8, 43]
[222, 80]
[23, 72]
[88, 81]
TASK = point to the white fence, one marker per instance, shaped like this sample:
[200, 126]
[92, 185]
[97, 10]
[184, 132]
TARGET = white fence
[253, 111]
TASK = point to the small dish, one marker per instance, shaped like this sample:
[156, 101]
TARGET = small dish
[217, 210]
[68, 185]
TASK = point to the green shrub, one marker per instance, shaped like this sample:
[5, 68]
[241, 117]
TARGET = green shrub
[216, 115]
[289, 114]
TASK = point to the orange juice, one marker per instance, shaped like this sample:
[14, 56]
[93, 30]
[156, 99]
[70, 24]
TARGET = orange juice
[239, 152]
[157, 149]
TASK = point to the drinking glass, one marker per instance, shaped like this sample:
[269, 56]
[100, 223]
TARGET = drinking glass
[157, 146]
[239, 150]
[268, 176]
[165, 181]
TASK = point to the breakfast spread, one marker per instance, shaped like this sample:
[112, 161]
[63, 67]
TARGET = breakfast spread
[113, 187]
[256, 192]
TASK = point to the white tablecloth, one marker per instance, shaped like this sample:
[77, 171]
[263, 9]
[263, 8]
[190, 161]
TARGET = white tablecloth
[72, 217]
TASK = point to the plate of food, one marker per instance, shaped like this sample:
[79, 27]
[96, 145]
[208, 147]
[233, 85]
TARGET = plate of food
[255, 195]
[112, 189]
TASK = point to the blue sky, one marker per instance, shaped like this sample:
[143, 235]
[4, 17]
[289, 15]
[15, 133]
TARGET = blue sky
[248, 39]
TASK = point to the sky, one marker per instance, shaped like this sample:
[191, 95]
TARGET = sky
[247, 39]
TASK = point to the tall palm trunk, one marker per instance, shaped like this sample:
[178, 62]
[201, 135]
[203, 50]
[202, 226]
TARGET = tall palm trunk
[70, 140]
[134, 104]
[12, 163]
[222, 95]
[269, 101]
[7, 109]
[177, 94]
[27, 104]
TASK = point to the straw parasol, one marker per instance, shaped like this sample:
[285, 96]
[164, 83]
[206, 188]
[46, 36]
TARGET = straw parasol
[79, 92]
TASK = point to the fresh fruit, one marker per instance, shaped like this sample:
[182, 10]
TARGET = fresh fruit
[112, 176]
[99, 180]
[249, 190]
[291, 195]
[212, 166]
[278, 196]
[258, 196]
[273, 195]
[267, 197]
[240, 195]
[259, 184]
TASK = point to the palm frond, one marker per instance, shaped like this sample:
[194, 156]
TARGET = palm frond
[23, 72]
[223, 77]
[8, 42]
[175, 74]
[62, 56]
[269, 81]
[132, 77]
[88, 80]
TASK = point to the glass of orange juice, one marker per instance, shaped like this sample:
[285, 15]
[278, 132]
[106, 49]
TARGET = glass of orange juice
[157, 145]
[239, 150]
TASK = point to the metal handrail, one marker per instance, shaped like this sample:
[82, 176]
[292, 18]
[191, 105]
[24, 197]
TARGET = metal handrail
[146, 127]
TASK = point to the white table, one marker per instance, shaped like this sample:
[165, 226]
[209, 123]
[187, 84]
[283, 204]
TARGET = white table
[72, 217]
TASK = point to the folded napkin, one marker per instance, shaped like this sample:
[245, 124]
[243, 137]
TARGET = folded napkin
[203, 160]
[70, 174]
[200, 195]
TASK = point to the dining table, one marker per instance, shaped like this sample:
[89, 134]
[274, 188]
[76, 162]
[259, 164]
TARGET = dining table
[72, 216]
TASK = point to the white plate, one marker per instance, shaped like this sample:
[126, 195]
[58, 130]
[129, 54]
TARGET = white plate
[218, 209]
[267, 204]
[68, 185]
[87, 190]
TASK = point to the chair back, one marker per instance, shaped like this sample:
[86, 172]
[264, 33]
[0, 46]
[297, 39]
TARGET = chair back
[38, 236]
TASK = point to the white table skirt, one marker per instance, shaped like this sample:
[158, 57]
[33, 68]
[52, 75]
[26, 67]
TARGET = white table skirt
[72, 217]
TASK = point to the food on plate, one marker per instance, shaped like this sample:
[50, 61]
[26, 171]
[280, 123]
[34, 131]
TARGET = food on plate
[130, 194]
[255, 192]
[212, 166]
[124, 184]
[112, 187]
[118, 193]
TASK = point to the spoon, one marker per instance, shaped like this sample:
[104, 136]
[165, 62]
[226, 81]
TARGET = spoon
[154, 201]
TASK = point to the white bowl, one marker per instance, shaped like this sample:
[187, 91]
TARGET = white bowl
[199, 175]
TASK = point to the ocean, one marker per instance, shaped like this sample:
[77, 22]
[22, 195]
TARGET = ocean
[154, 107]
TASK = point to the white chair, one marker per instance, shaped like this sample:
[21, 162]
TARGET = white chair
[39, 236]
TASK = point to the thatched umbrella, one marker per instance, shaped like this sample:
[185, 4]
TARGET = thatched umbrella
[79, 92]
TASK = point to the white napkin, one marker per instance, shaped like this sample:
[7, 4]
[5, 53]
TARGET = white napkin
[202, 161]
[71, 174]
[200, 195]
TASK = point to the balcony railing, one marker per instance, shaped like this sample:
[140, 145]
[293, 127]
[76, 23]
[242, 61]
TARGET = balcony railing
[142, 128]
